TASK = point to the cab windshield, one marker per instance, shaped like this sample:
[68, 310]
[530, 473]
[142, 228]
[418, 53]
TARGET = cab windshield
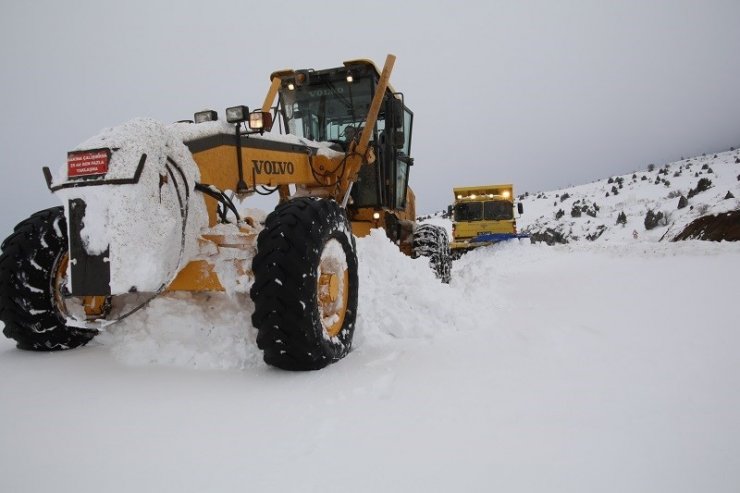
[492, 210]
[498, 210]
[326, 111]
[469, 211]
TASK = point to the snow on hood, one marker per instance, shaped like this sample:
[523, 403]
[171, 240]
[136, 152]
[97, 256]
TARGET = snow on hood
[192, 131]
[148, 233]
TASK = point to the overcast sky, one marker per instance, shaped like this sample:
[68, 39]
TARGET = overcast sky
[541, 94]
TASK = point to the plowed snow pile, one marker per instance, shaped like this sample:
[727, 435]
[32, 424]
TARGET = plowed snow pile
[399, 299]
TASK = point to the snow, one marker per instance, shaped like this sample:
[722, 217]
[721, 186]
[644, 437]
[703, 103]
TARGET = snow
[604, 366]
[191, 131]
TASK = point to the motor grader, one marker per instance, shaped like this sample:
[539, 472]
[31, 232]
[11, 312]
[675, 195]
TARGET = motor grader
[150, 208]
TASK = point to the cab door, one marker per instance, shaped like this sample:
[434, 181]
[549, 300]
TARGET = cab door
[397, 151]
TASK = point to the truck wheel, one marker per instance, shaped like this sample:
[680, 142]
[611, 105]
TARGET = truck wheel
[432, 241]
[33, 271]
[305, 285]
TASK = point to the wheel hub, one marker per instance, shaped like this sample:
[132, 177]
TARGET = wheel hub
[332, 288]
[328, 287]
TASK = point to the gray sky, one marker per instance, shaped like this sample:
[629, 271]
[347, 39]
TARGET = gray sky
[541, 94]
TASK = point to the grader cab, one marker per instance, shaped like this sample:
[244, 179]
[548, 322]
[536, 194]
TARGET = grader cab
[149, 208]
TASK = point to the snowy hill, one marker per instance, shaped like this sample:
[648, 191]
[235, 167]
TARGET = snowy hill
[591, 211]
[674, 195]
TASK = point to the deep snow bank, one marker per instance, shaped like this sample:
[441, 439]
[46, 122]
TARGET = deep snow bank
[399, 299]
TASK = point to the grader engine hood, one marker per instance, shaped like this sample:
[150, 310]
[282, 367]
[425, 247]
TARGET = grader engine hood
[132, 217]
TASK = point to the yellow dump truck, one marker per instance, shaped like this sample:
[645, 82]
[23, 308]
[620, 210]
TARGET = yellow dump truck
[482, 215]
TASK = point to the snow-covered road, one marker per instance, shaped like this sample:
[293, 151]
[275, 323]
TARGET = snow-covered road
[598, 367]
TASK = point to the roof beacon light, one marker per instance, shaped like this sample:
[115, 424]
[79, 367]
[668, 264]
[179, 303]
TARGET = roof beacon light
[349, 77]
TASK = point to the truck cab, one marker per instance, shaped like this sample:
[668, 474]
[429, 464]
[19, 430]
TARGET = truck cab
[483, 215]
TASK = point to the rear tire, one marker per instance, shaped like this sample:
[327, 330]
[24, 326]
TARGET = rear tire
[31, 260]
[432, 241]
[305, 320]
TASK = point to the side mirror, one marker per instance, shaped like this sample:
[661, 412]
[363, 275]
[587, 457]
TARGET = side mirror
[397, 108]
[520, 207]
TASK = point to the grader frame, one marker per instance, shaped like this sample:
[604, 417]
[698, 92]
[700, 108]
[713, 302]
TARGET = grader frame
[226, 160]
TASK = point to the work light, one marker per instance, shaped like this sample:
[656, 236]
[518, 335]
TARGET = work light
[205, 116]
[260, 120]
[237, 114]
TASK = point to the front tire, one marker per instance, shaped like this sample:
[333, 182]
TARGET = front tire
[432, 241]
[32, 276]
[305, 285]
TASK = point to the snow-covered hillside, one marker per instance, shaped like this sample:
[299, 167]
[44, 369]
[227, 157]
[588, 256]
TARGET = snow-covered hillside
[615, 208]
[592, 211]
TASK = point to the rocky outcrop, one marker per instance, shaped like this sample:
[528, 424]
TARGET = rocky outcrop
[549, 236]
[725, 226]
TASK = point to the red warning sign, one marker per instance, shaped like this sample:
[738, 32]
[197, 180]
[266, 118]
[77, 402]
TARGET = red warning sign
[87, 163]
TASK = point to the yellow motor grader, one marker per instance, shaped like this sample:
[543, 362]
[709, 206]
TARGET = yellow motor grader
[149, 208]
